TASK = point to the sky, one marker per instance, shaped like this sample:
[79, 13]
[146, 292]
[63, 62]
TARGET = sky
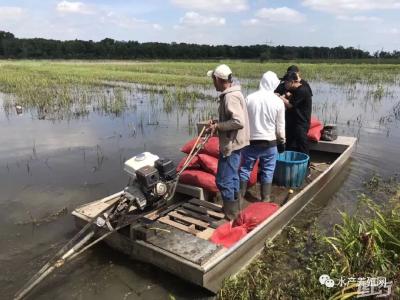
[366, 24]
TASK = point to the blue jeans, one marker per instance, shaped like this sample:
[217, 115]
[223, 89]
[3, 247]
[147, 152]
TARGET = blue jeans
[267, 157]
[227, 178]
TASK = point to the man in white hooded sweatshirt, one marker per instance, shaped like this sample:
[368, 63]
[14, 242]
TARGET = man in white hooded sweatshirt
[266, 113]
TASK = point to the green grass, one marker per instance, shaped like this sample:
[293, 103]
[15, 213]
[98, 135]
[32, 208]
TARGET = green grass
[61, 86]
[193, 73]
[366, 244]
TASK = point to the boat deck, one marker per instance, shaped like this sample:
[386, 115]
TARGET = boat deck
[194, 220]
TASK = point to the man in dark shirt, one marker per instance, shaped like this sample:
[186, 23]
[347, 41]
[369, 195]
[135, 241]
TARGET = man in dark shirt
[281, 90]
[298, 113]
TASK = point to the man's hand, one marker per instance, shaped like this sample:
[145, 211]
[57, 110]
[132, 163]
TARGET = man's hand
[281, 147]
[284, 99]
[212, 127]
[286, 102]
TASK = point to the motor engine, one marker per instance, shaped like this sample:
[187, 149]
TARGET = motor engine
[152, 179]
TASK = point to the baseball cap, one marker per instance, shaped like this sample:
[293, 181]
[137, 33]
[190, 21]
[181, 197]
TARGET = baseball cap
[222, 71]
[291, 69]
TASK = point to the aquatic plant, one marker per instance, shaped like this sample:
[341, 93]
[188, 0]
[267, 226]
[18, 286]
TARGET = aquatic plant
[366, 244]
[67, 89]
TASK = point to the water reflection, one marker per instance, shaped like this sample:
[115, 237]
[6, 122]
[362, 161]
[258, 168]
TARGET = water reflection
[55, 160]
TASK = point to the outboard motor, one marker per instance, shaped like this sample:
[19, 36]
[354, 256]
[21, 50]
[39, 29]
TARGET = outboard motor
[152, 179]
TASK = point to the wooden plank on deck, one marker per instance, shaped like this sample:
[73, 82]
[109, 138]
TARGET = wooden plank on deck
[206, 204]
[188, 229]
[205, 234]
[189, 220]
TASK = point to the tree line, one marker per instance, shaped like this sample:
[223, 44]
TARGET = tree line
[38, 48]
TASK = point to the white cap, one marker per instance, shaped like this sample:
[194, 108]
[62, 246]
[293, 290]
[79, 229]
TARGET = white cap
[222, 71]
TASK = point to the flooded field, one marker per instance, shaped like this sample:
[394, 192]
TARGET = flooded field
[79, 122]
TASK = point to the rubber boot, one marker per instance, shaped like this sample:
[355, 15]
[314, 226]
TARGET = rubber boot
[242, 192]
[266, 192]
[231, 209]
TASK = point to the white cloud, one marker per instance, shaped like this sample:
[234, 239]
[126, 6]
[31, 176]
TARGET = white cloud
[359, 18]
[104, 16]
[212, 5]
[340, 6]
[390, 31]
[193, 19]
[251, 22]
[121, 20]
[10, 13]
[126, 22]
[157, 27]
[281, 14]
[74, 7]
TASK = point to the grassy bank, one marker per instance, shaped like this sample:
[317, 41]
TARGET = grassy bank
[366, 244]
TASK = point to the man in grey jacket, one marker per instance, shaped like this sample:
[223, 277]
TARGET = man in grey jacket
[233, 131]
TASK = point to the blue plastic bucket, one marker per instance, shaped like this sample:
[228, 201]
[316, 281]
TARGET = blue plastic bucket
[291, 168]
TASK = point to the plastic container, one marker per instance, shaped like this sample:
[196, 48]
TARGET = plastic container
[291, 168]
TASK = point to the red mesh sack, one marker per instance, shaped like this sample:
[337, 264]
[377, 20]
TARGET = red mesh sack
[194, 163]
[200, 179]
[314, 122]
[255, 214]
[226, 235]
[253, 175]
[210, 148]
[208, 163]
[314, 133]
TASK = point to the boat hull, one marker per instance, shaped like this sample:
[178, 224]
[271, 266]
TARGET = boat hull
[226, 262]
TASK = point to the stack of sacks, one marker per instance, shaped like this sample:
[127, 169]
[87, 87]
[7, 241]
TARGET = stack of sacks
[230, 233]
[202, 169]
[315, 131]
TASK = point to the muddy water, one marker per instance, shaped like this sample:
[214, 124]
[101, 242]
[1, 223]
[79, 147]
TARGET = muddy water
[47, 166]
